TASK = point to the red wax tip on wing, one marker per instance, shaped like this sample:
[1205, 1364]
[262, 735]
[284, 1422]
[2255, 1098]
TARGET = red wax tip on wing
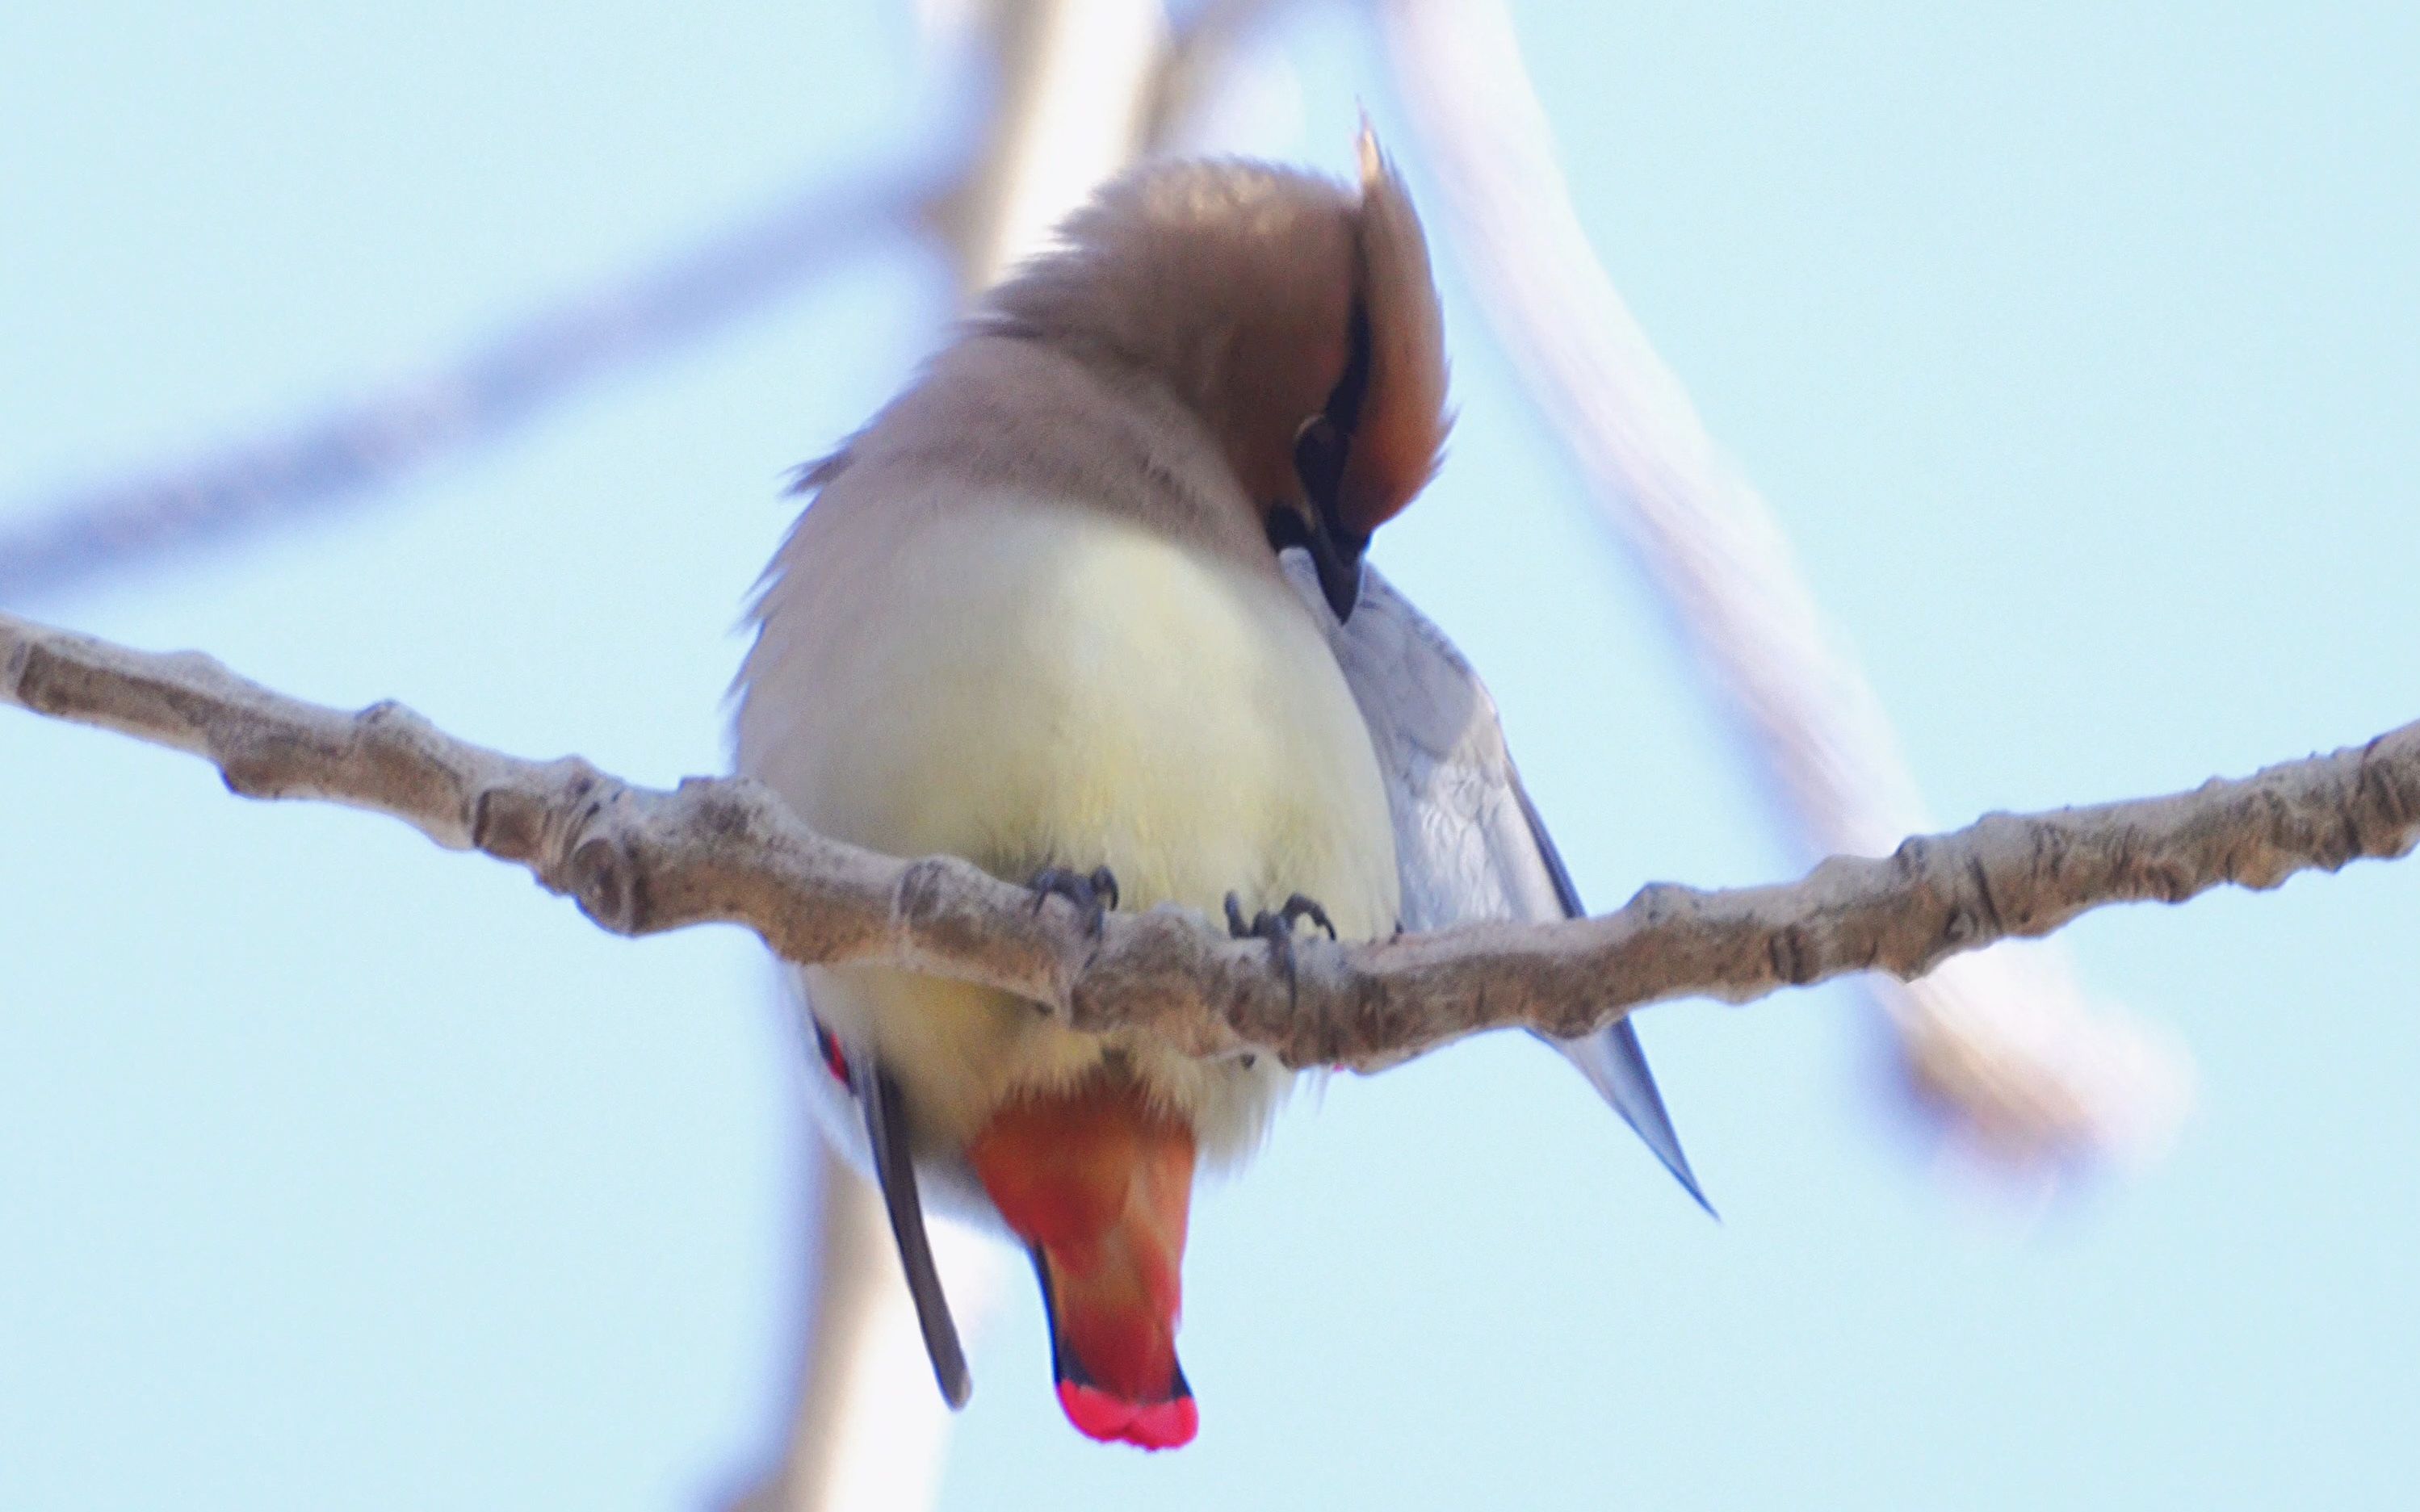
[828, 1045]
[1097, 1414]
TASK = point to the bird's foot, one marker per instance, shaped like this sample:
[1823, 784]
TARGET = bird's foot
[1093, 893]
[1277, 925]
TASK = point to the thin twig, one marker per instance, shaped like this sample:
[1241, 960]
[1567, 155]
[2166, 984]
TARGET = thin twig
[2003, 1045]
[324, 461]
[639, 861]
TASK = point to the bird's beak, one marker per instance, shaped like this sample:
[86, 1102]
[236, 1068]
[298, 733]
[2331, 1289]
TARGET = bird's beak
[1319, 452]
[1337, 554]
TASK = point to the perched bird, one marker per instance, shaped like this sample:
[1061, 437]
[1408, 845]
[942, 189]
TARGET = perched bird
[1086, 605]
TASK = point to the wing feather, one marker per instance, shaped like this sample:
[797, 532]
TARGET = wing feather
[1468, 841]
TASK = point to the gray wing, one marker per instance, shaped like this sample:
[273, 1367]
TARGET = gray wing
[1468, 841]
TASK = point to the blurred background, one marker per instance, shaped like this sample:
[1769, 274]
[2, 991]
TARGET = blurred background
[457, 354]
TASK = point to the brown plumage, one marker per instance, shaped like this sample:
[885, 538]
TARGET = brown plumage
[1034, 617]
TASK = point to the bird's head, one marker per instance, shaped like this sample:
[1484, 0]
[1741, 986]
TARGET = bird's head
[1292, 314]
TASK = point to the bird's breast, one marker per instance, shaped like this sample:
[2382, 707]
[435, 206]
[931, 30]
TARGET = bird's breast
[1029, 683]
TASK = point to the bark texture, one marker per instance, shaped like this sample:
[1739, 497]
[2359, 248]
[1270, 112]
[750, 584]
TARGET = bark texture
[640, 860]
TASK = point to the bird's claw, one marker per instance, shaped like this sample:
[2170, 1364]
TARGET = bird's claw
[1275, 926]
[1093, 893]
[1296, 908]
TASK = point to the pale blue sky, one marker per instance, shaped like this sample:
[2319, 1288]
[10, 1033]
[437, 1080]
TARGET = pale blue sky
[2079, 348]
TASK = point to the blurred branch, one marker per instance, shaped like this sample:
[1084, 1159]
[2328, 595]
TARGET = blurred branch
[1071, 79]
[1074, 87]
[2003, 1045]
[866, 1429]
[324, 461]
[1196, 62]
[1081, 87]
[639, 861]
[1055, 95]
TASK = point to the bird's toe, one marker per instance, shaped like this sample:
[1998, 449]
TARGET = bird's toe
[1093, 893]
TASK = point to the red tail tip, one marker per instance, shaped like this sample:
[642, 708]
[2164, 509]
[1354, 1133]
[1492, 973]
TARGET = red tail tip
[1097, 1414]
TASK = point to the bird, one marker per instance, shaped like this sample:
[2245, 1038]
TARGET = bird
[1087, 605]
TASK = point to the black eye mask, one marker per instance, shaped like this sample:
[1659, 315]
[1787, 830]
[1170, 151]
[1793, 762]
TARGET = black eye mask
[1321, 448]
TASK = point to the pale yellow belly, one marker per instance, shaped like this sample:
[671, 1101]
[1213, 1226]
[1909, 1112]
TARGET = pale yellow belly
[1043, 686]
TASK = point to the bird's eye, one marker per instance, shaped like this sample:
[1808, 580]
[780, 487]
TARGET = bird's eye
[1319, 459]
[1345, 401]
[1320, 446]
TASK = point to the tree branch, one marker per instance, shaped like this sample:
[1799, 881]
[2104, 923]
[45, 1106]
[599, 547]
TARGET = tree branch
[319, 461]
[640, 860]
[2006, 1048]
[344, 451]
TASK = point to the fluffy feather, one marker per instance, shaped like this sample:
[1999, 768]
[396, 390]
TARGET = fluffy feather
[1033, 616]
